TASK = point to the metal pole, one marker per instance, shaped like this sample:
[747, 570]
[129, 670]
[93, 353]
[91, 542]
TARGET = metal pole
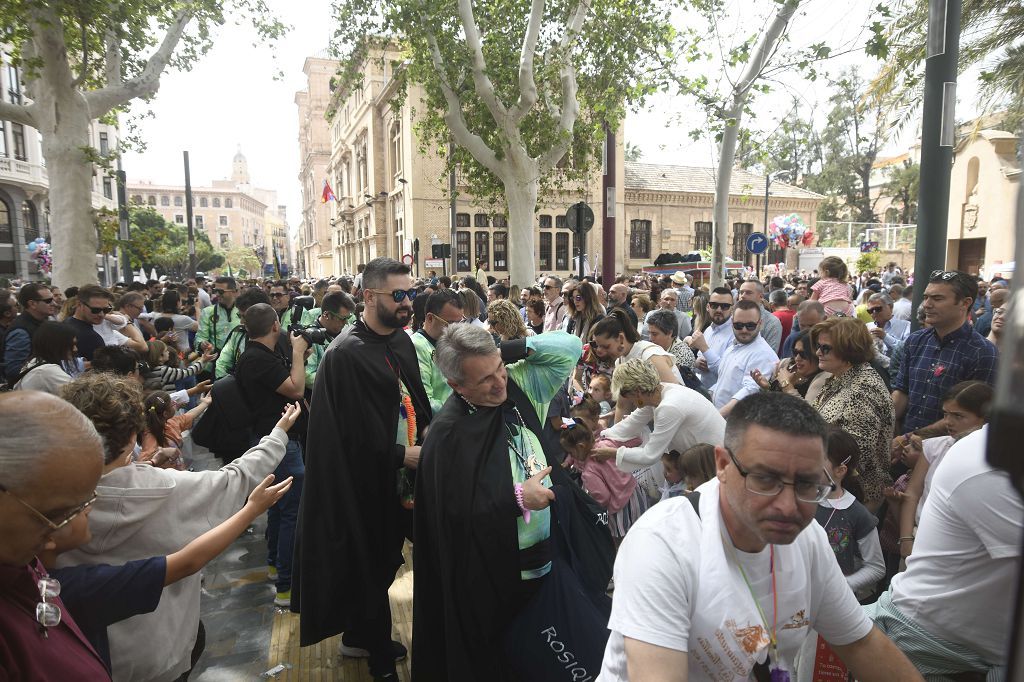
[608, 226]
[767, 184]
[579, 237]
[188, 220]
[122, 219]
[453, 251]
[938, 136]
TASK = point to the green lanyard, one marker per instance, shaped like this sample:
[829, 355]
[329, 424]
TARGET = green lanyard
[772, 638]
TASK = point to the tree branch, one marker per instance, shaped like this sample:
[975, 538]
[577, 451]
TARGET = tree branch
[481, 81]
[148, 81]
[567, 76]
[453, 116]
[527, 82]
[19, 113]
[83, 69]
[112, 59]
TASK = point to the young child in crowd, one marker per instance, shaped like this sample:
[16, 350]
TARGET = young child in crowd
[832, 290]
[163, 375]
[615, 490]
[686, 471]
[98, 595]
[600, 390]
[849, 525]
[164, 428]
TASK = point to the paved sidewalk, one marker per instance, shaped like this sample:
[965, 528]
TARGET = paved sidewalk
[246, 635]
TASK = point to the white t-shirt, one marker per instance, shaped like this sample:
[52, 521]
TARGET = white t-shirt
[677, 586]
[645, 350]
[966, 553]
[934, 450]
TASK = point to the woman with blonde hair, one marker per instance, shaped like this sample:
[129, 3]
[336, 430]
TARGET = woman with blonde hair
[504, 319]
[471, 306]
[682, 418]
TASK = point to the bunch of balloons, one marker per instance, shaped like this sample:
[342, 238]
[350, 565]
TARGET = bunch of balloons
[790, 230]
[40, 250]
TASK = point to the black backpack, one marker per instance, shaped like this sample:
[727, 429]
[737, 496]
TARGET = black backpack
[226, 426]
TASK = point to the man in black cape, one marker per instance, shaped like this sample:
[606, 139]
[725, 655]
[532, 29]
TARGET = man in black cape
[472, 572]
[367, 414]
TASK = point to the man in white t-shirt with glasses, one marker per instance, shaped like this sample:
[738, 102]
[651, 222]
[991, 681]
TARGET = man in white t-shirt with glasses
[733, 593]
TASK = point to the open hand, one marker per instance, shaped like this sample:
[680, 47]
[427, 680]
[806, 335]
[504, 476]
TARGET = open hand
[289, 416]
[265, 495]
[603, 453]
[759, 379]
[535, 494]
[201, 387]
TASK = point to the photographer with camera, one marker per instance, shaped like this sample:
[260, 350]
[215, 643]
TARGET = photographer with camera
[270, 380]
[235, 343]
[335, 309]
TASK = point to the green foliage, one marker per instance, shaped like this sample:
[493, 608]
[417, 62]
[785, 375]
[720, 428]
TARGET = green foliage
[243, 261]
[868, 262]
[904, 186]
[154, 242]
[606, 55]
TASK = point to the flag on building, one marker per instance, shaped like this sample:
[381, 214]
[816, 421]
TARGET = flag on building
[277, 263]
[328, 194]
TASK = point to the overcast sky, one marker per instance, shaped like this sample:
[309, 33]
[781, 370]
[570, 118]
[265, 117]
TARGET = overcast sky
[230, 99]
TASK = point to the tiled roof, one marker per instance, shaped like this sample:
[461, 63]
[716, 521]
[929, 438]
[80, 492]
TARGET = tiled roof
[663, 178]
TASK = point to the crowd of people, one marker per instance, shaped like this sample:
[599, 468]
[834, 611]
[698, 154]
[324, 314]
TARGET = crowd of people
[775, 479]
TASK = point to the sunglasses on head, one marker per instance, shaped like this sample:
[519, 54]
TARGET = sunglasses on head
[100, 311]
[943, 275]
[397, 295]
[719, 306]
[740, 326]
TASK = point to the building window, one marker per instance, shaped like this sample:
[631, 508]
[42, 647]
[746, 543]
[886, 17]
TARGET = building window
[6, 229]
[499, 221]
[216, 202]
[179, 219]
[104, 144]
[396, 149]
[223, 220]
[560, 222]
[462, 256]
[165, 200]
[578, 248]
[223, 240]
[545, 222]
[13, 84]
[29, 221]
[177, 201]
[544, 257]
[108, 187]
[461, 220]
[501, 250]
[137, 199]
[18, 137]
[640, 239]
[562, 251]
[151, 200]
[229, 203]
[483, 249]
[3, 140]
[701, 235]
[199, 220]
[204, 202]
[480, 220]
[740, 232]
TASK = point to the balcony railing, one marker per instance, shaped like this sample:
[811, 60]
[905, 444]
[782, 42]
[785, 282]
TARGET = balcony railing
[22, 171]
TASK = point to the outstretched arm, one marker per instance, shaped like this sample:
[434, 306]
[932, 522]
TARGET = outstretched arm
[874, 658]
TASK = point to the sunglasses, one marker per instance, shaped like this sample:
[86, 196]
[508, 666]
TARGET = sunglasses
[222, 291]
[824, 348]
[874, 311]
[278, 295]
[577, 297]
[100, 311]
[719, 306]
[549, 286]
[740, 326]
[54, 526]
[397, 295]
[47, 301]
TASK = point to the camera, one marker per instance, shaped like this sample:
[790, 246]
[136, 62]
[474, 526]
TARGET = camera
[314, 335]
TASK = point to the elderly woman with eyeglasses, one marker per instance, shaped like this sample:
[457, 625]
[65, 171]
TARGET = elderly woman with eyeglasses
[799, 375]
[855, 398]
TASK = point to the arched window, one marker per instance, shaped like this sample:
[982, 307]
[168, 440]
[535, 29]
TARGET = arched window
[151, 200]
[177, 201]
[204, 202]
[137, 199]
[30, 221]
[228, 203]
[6, 229]
[216, 202]
[165, 200]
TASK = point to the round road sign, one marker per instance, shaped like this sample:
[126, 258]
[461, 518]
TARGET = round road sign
[757, 243]
[407, 259]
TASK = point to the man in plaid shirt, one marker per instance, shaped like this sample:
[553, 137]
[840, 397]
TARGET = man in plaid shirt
[941, 356]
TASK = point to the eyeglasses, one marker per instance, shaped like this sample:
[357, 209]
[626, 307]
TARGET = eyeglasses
[52, 525]
[47, 301]
[278, 295]
[397, 295]
[100, 311]
[47, 613]
[740, 326]
[824, 348]
[719, 306]
[336, 316]
[448, 322]
[998, 311]
[770, 485]
[875, 311]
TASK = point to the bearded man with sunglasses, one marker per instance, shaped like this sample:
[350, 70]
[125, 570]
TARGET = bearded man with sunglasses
[94, 304]
[730, 583]
[718, 334]
[37, 305]
[733, 365]
[368, 415]
[48, 476]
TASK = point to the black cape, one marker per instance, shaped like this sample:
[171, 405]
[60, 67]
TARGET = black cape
[349, 533]
[466, 554]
